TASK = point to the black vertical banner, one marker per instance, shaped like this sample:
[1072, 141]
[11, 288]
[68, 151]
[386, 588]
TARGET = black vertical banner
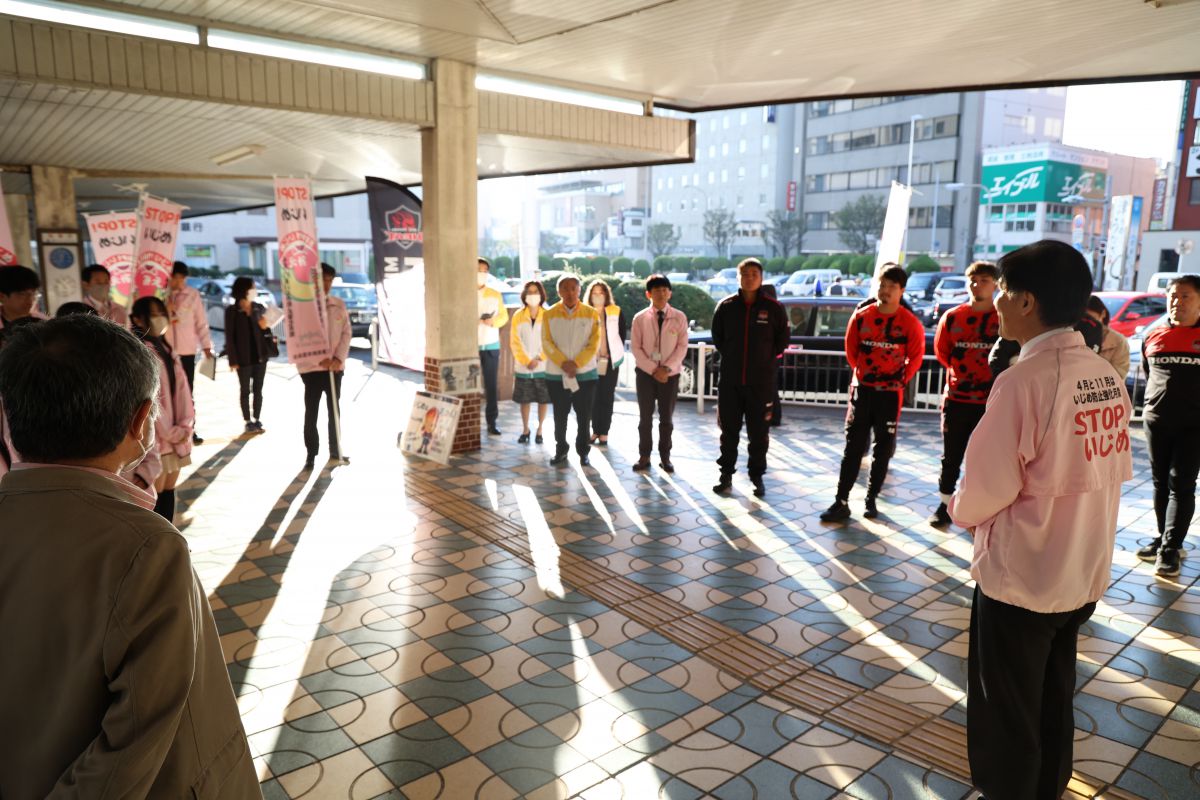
[398, 238]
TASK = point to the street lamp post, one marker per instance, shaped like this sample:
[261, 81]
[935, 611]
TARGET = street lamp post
[912, 129]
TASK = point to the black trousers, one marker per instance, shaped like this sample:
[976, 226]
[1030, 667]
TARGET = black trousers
[489, 363]
[1020, 688]
[651, 393]
[315, 385]
[602, 404]
[563, 402]
[250, 379]
[871, 412]
[189, 369]
[1174, 463]
[753, 403]
[958, 422]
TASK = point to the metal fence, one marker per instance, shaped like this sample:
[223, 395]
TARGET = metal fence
[816, 378]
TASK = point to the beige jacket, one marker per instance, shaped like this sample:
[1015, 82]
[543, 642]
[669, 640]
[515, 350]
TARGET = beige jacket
[116, 684]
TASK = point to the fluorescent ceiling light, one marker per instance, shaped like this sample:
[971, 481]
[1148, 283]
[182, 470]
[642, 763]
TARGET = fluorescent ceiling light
[314, 54]
[237, 154]
[101, 19]
[557, 94]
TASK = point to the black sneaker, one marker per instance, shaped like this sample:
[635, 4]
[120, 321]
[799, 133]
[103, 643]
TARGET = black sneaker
[837, 512]
[1167, 564]
[251, 427]
[493, 430]
[1150, 551]
[725, 485]
[872, 510]
[642, 465]
[759, 489]
[559, 459]
[196, 440]
[666, 465]
[258, 426]
[940, 518]
[584, 461]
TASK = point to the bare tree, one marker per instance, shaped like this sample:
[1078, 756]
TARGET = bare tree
[719, 228]
[784, 233]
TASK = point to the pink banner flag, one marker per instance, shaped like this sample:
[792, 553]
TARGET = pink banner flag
[113, 237]
[157, 230]
[300, 272]
[8, 254]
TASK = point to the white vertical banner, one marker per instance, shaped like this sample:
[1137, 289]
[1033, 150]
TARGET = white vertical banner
[895, 225]
[8, 253]
[300, 272]
[114, 239]
[154, 245]
[1120, 217]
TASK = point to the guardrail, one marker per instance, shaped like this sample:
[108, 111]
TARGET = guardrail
[816, 378]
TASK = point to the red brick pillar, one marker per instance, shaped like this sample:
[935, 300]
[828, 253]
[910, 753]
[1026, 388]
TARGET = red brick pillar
[466, 435]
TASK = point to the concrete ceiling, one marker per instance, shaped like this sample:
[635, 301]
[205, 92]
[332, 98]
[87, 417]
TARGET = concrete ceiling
[690, 54]
[707, 53]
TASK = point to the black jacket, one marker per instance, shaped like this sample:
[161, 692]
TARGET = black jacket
[749, 340]
[244, 340]
[1005, 350]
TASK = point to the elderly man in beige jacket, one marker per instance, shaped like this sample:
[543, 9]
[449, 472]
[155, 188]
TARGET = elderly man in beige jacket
[114, 682]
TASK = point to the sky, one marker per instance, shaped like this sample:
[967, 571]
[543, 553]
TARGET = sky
[1134, 119]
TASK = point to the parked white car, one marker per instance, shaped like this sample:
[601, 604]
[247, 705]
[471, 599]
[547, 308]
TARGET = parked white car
[952, 289]
[803, 283]
[723, 283]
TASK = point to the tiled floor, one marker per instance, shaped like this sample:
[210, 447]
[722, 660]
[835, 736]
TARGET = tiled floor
[499, 628]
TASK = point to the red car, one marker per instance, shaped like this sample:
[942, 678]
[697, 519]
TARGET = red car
[1129, 311]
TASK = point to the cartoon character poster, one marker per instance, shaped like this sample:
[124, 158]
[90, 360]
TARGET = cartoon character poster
[431, 426]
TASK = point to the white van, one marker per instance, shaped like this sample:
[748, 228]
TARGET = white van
[1159, 280]
[803, 283]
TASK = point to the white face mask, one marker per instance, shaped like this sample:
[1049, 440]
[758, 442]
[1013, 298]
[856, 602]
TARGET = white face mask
[533, 300]
[597, 299]
[481, 281]
[145, 444]
[158, 326]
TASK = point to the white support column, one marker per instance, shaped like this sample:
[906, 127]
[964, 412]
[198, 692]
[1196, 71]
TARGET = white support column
[450, 183]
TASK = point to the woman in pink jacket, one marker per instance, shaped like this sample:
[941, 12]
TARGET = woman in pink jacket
[176, 417]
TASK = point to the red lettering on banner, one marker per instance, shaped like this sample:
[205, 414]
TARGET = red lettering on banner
[1103, 431]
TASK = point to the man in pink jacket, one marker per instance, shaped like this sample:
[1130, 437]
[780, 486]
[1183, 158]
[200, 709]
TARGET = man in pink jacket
[325, 378]
[1040, 494]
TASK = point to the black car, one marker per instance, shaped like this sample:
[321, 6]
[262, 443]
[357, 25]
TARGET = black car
[361, 304]
[815, 360]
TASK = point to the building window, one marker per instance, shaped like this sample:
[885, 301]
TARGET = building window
[683, 180]
[1194, 190]
[695, 179]
[725, 122]
[1052, 127]
[683, 205]
[762, 198]
[724, 148]
[712, 177]
[670, 183]
[712, 124]
[658, 207]
[739, 201]
[766, 144]
[741, 145]
[712, 151]
[818, 221]
[742, 117]
[724, 176]
[660, 184]
[261, 211]
[741, 173]
[764, 170]
[695, 203]
[324, 206]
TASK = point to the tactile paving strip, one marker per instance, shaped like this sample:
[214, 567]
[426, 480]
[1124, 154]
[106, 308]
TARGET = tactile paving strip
[934, 740]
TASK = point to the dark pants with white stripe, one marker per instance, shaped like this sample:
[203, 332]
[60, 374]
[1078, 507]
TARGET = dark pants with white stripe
[489, 364]
[872, 412]
[1020, 688]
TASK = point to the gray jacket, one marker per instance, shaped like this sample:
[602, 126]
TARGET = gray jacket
[116, 686]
